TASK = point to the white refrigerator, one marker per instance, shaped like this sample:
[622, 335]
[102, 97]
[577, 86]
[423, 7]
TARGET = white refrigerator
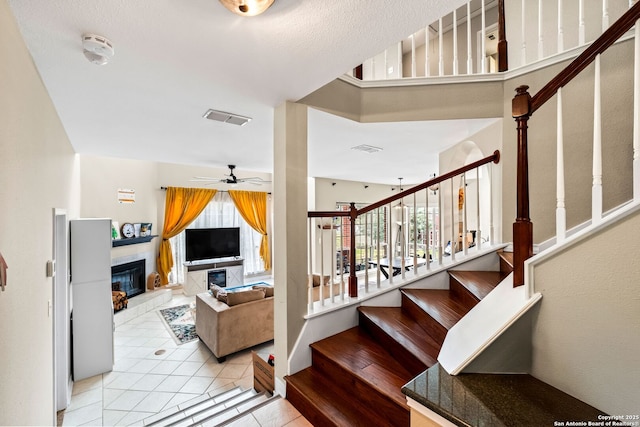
[92, 311]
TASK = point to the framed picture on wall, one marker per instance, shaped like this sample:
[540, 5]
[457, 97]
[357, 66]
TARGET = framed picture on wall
[115, 230]
[145, 229]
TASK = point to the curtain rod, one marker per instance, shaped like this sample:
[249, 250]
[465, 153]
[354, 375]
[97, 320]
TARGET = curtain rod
[219, 191]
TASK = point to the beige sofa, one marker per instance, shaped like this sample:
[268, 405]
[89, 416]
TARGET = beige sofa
[227, 329]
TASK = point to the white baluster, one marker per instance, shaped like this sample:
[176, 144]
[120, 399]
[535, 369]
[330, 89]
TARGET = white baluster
[454, 202]
[596, 190]
[403, 242]
[491, 227]
[415, 237]
[378, 247]
[469, 49]
[540, 32]
[560, 28]
[605, 15]
[342, 266]
[386, 64]
[561, 212]
[483, 46]
[636, 115]
[390, 244]
[581, 25]
[426, 51]
[399, 61]
[455, 43]
[523, 34]
[440, 225]
[427, 234]
[440, 49]
[366, 252]
[310, 223]
[478, 234]
[465, 224]
[320, 289]
[413, 55]
[373, 68]
[333, 276]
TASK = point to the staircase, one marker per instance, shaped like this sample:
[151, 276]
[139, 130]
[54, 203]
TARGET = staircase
[356, 376]
[212, 410]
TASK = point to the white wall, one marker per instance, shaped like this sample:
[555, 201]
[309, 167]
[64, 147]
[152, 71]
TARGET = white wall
[101, 177]
[585, 334]
[38, 173]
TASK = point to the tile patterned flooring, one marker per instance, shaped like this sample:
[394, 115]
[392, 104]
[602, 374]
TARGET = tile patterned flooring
[144, 383]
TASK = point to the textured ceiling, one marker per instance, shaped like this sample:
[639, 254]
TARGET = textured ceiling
[176, 59]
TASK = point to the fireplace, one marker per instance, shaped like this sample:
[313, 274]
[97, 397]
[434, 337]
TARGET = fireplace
[129, 277]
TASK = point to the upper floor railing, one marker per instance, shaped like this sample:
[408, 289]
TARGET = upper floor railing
[421, 228]
[478, 37]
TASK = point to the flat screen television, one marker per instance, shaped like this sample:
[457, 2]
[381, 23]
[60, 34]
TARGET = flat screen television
[209, 243]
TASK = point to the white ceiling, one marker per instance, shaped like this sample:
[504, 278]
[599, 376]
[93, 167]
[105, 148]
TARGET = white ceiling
[176, 59]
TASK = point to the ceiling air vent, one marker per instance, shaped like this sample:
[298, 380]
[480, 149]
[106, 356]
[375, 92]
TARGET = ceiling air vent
[222, 116]
[367, 148]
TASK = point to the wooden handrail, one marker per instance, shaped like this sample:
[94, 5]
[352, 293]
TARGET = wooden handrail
[523, 107]
[602, 43]
[353, 212]
[495, 158]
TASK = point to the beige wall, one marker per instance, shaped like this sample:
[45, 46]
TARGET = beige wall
[101, 177]
[585, 334]
[38, 173]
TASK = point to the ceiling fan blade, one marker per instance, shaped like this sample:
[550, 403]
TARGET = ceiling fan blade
[205, 179]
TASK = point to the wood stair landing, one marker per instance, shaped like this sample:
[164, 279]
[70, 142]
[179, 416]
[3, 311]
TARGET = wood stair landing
[356, 376]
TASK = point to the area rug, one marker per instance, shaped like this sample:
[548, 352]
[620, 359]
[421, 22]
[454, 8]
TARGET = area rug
[180, 321]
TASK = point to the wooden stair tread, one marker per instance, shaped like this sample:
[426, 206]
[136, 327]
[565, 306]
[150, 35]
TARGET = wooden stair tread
[440, 304]
[479, 283]
[507, 257]
[321, 396]
[356, 352]
[405, 330]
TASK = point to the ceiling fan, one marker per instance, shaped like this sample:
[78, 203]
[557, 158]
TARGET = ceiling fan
[230, 179]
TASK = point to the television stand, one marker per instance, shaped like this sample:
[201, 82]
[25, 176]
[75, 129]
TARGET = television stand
[224, 272]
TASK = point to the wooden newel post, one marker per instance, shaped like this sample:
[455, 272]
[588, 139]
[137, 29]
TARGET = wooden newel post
[353, 280]
[522, 228]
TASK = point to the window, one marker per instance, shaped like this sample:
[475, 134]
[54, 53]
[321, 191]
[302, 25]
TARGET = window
[220, 212]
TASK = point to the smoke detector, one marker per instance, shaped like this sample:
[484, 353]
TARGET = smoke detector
[97, 49]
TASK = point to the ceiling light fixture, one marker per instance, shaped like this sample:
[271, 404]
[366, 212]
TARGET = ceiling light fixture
[434, 187]
[247, 7]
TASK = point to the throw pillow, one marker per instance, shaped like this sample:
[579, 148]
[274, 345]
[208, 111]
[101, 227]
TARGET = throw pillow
[267, 289]
[215, 289]
[235, 298]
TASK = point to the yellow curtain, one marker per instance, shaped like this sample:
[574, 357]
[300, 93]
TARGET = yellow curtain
[252, 205]
[181, 207]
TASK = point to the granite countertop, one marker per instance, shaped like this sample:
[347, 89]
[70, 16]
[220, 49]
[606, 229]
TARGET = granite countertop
[496, 400]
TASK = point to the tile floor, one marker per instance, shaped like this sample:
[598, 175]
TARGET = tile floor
[143, 382]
